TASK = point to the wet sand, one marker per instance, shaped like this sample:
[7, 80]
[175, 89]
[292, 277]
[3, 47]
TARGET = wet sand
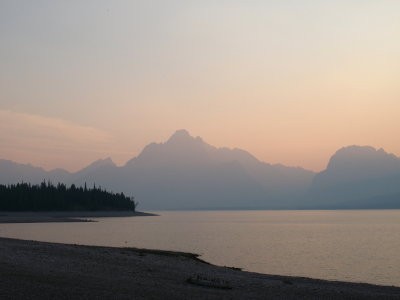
[64, 216]
[38, 270]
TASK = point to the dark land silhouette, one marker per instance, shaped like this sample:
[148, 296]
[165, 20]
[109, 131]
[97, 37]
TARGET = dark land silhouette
[187, 173]
[47, 197]
[357, 177]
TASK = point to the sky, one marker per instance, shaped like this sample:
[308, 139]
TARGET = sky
[290, 81]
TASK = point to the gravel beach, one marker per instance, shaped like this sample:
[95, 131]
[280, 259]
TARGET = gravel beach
[38, 270]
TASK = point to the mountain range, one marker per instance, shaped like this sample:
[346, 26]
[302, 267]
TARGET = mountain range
[187, 173]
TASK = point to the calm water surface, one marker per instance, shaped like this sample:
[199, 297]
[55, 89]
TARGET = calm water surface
[360, 246]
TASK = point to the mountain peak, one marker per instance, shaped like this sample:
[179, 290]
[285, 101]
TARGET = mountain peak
[357, 149]
[355, 164]
[180, 134]
[361, 155]
[106, 162]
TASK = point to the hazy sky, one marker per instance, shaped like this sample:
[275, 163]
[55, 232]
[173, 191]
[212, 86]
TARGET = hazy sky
[289, 81]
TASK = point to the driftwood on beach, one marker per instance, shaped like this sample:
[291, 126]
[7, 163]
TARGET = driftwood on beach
[37, 270]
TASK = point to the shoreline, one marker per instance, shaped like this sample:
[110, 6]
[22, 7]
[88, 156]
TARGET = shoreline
[64, 216]
[37, 270]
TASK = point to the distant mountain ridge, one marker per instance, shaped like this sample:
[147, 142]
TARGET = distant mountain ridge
[186, 173]
[356, 163]
[12, 172]
[354, 176]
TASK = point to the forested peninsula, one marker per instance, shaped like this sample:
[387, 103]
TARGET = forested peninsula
[49, 197]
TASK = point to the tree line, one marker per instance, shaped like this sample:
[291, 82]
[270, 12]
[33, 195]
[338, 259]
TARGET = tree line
[48, 197]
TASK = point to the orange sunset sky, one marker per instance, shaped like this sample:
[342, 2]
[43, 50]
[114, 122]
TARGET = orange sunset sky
[289, 81]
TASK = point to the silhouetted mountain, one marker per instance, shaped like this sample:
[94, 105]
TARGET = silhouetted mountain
[11, 172]
[354, 174]
[387, 201]
[101, 167]
[187, 173]
[357, 163]
[99, 164]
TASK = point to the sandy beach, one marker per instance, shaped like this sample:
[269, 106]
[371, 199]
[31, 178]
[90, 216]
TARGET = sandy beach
[38, 270]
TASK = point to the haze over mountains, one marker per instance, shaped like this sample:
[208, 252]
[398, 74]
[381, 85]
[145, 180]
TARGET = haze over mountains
[358, 177]
[187, 173]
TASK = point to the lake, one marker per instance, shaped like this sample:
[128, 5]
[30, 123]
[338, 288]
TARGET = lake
[346, 245]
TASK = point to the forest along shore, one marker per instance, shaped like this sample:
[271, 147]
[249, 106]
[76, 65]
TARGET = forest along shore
[64, 216]
[38, 270]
